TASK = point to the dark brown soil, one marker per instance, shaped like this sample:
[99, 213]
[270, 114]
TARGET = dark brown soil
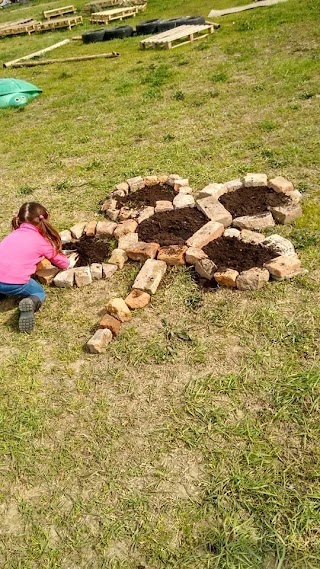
[251, 201]
[90, 250]
[147, 196]
[231, 253]
[171, 227]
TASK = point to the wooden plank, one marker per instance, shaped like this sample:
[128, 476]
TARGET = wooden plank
[65, 59]
[115, 14]
[37, 53]
[59, 11]
[60, 23]
[217, 13]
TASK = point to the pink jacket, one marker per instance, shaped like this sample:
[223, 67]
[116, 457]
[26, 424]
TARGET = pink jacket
[22, 250]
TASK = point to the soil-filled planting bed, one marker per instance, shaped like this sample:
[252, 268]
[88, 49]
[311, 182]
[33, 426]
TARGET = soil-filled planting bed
[90, 250]
[232, 253]
[147, 196]
[252, 201]
[171, 227]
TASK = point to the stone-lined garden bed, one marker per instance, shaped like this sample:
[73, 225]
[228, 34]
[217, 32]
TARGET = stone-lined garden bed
[183, 230]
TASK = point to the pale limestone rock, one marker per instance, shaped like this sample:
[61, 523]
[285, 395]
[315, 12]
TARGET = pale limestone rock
[172, 178]
[122, 187]
[233, 185]
[64, 279]
[255, 222]
[251, 236]
[180, 183]
[150, 276]
[65, 236]
[163, 179]
[145, 214]
[137, 299]
[193, 255]
[281, 185]
[44, 264]
[111, 323]
[99, 341]
[46, 276]
[136, 183]
[108, 270]
[286, 214]
[212, 190]
[105, 228]
[143, 251]
[118, 257]
[109, 204]
[255, 180]
[118, 308]
[186, 190]
[253, 279]
[112, 214]
[82, 276]
[295, 197]
[280, 245]
[125, 228]
[90, 229]
[183, 200]
[172, 254]
[231, 232]
[214, 210]
[118, 193]
[163, 205]
[127, 241]
[227, 278]
[78, 229]
[151, 181]
[96, 271]
[208, 232]
[206, 269]
[285, 266]
[125, 213]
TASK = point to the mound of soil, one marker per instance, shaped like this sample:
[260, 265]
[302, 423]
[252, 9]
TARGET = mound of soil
[231, 253]
[171, 227]
[147, 196]
[90, 250]
[252, 201]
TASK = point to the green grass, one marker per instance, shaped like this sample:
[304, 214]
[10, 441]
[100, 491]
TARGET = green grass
[194, 441]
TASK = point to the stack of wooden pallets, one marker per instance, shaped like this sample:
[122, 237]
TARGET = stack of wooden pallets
[177, 36]
[19, 27]
[116, 14]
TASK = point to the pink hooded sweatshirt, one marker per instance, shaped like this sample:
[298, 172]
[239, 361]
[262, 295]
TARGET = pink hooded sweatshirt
[21, 251]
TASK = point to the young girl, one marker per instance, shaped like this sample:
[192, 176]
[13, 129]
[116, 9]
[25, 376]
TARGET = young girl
[32, 239]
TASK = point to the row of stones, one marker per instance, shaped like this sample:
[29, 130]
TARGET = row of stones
[207, 200]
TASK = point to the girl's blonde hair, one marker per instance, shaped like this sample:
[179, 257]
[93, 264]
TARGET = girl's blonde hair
[37, 215]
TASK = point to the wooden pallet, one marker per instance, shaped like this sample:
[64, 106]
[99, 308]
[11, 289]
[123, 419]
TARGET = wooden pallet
[99, 5]
[177, 36]
[48, 14]
[16, 29]
[59, 23]
[15, 23]
[116, 14]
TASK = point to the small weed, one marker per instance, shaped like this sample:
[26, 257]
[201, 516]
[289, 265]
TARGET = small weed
[219, 77]
[25, 191]
[244, 26]
[195, 300]
[306, 95]
[65, 185]
[267, 126]
[158, 76]
[96, 163]
[64, 75]
[213, 94]
[179, 96]
[168, 137]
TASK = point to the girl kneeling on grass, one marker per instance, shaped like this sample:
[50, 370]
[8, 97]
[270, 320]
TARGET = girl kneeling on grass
[32, 239]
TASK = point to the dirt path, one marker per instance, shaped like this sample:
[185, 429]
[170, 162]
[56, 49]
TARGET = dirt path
[215, 13]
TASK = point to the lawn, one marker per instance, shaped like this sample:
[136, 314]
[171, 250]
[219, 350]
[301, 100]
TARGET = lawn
[193, 443]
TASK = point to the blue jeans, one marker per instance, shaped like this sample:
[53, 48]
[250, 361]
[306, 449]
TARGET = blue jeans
[31, 288]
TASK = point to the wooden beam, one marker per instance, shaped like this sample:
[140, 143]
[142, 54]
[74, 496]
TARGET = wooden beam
[65, 59]
[36, 53]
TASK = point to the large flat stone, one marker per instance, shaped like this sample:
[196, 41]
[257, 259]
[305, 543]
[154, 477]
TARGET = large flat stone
[78, 229]
[64, 279]
[183, 200]
[105, 228]
[251, 236]
[111, 323]
[136, 183]
[96, 271]
[150, 276]
[163, 205]
[145, 214]
[286, 214]
[90, 228]
[118, 308]
[127, 241]
[82, 276]
[253, 279]
[118, 257]
[284, 266]
[150, 181]
[180, 183]
[214, 210]
[65, 236]
[172, 254]
[193, 255]
[206, 269]
[227, 278]
[125, 227]
[281, 185]
[208, 232]
[254, 222]
[280, 245]
[255, 180]
[108, 270]
[137, 299]
[233, 185]
[143, 251]
[46, 276]
[212, 190]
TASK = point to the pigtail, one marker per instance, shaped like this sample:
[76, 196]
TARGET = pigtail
[50, 233]
[15, 222]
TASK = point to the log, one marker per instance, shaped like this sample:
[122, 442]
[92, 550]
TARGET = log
[36, 53]
[65, 59]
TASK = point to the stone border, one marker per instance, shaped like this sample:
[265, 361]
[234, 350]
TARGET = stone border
[122, 225]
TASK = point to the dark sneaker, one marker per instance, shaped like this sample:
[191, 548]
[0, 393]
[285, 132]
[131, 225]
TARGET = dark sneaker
[26, 319]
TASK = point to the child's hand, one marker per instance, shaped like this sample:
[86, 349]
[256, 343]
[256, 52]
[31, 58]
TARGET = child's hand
[73, 257]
